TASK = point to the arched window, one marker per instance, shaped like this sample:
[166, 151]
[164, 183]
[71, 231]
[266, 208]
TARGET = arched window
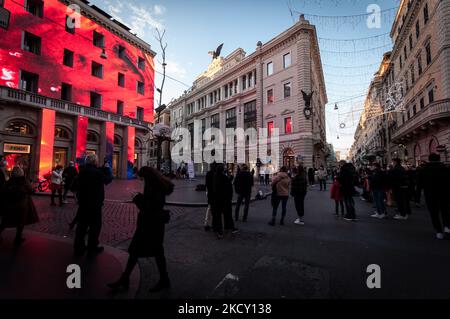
[19, 127]
[137, 143]
[61, 133]
[433, 145]
[92, 137]
[117, 140]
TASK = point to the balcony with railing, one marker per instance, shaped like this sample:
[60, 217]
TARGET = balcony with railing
[434, 111]
[39, 101]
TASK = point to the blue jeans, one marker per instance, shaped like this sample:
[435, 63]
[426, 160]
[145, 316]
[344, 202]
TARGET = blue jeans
[283, 200]
[378, 197]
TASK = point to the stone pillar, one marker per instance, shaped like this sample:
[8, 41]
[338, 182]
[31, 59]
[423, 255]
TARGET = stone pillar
[443, 38]
[304, 83]
[106, 143]
[127, 159]
[46, 140]
[80, 139]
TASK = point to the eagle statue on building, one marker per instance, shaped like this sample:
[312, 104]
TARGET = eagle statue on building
[215, 54]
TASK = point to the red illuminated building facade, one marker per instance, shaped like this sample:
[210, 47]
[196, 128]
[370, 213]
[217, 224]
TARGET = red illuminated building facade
[73, 81]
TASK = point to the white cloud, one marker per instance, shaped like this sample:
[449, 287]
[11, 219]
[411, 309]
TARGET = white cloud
[173, 69]
[142, 19]
[159, 9]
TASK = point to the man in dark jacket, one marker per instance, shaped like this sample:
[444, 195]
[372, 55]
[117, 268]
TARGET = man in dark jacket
[222, 202]
[433, 178]
[346, 178]
[91, 194]
[69, 175]
[243, 184]
[398, 178]
[377, 182]
[299, 188]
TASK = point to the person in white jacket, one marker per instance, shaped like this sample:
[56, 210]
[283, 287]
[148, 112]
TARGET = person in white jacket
[57, 185]
[322, 176]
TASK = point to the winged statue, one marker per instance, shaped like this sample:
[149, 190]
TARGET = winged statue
[215, 54]
[307, 98]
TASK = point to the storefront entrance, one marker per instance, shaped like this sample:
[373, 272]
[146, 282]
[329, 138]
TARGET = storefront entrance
[60, 157]
[289, 159]
[115, 164]
[17, 155]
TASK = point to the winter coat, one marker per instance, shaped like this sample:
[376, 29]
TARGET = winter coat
[299, 185]
[281, 182]
[243, 183]
[222, 189]
[19, 209]
[377, 180]
[322, 174]
[69, 175]
[209, 181]
[335, 191]
[346, 179]
[434, 179]
[91, 186]
[150, 227]
[398, 177]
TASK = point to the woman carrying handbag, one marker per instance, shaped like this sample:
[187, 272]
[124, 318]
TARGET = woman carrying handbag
[149, 235]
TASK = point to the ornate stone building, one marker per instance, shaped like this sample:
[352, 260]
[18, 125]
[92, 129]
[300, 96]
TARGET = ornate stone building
[263, 90]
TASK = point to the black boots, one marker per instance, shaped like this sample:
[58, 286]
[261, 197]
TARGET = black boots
[162, 284]
[272, 222]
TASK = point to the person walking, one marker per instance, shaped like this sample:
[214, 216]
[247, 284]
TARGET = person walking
[280, 193]
[222, 202]
[400, 189]
[56, 185]
[434, 178]
[299, 188]
[69, 174]
[336, 195]
[209, 181]
[243, 184]
[267, 175]
[322, 177]
[311, 176]
[377, 182]
[148, 239]
[346, 178]
[18, 209]
[91, 195]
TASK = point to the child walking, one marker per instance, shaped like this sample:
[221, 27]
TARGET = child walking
[337, 196]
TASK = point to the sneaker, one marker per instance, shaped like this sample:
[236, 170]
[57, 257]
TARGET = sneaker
[399, 217]
[440, 236]
[219, 236]
[297, 221]
[234, 231]
[348, 219]
[65, 202]
[376, 215]
[382, 216]
[447, 230]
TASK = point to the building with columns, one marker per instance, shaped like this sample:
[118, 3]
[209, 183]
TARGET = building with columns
[419, 66]
[263, 90]
[74, 81]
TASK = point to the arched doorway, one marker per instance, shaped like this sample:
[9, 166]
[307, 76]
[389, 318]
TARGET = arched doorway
[289, 158]
[433, 145]
[417, 154]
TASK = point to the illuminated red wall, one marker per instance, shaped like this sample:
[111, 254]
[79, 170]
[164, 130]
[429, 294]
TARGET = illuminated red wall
[82, 125]
[130, 151]
[52, 72]
[47, 142]
[109, 143]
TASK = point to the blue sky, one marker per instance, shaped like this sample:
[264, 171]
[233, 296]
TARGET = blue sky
[195, 27]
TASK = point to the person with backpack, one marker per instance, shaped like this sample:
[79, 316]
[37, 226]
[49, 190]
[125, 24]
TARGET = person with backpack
[148, 238]
[299, 188]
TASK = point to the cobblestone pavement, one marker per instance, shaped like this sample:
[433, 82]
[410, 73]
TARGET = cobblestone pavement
[119, 219]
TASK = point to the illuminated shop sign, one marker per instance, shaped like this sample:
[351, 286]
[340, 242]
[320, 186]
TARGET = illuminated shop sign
[4, 17]
[16, 148]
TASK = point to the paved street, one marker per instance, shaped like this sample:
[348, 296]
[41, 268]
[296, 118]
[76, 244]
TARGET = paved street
[327, 258]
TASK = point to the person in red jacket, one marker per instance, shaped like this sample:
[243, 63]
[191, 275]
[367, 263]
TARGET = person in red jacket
[337, 196]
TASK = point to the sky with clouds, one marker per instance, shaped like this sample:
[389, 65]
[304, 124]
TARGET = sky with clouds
[194, 27]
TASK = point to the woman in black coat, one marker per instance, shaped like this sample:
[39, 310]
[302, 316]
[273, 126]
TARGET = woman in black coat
[149, 235]
[18, 208]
